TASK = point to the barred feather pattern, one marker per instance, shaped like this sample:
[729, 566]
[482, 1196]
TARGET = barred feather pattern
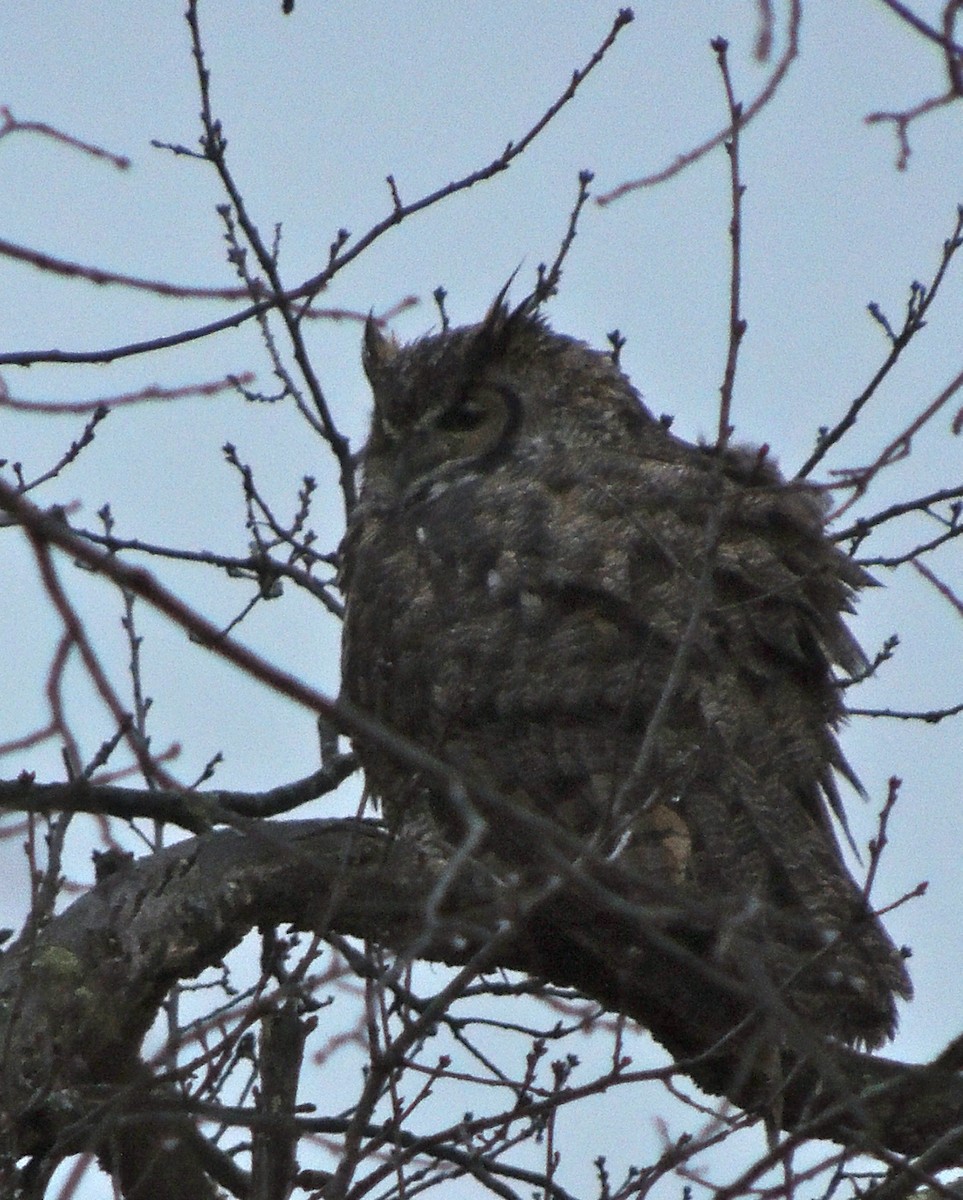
[534, 559]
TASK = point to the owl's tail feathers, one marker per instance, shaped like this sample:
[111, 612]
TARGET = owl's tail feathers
[792, 921]
[842, 978]
[801, 919]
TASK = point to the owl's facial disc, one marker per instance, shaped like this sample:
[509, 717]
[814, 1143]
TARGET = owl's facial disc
[471, 431]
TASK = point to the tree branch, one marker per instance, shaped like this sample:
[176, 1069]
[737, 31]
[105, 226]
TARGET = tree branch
[79, 996]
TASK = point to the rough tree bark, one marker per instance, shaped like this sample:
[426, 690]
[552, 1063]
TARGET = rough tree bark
[77, 996]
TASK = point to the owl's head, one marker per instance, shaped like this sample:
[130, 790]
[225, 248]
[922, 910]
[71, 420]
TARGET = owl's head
[467, 398]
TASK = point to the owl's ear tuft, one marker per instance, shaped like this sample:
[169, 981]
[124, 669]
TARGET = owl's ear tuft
[490, 336]
[379, 351]
[502, 322]
[498, 312]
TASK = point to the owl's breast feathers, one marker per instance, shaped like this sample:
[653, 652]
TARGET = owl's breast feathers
[526, 616]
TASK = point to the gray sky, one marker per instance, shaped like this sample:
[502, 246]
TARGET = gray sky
[318, 108]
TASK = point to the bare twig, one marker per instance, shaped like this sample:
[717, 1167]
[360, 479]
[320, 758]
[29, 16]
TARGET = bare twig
[916, 21]
[953, 57]
[750, 112]
[921, 298]
[194, 811]
[859, 478]
[943, 588]
[703, 586]
[862, 525]
[901, 120]
[737, 323]
[9, 124]
[343, 254]
[548, 278]
[158, 287]
[101, 407]
[76, 447]
[897, 560]
[931, 716]
[214, 146]
[878, 843]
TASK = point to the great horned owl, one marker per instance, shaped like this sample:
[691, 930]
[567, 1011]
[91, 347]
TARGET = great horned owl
[628, 633]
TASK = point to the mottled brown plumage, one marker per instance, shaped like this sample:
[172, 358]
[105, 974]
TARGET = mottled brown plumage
[530, 551]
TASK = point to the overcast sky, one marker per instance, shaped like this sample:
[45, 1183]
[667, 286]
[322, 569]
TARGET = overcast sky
[318, 108]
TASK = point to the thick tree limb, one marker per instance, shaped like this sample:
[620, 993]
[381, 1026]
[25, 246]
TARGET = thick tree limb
[77, 1000]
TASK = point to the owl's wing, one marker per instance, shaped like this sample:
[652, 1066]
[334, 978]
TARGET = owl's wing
[728, 601]
[620, 639]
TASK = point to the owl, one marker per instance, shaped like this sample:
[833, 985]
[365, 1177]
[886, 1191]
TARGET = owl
[630, 635]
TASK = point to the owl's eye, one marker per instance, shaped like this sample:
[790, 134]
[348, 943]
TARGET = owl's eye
[472, 429]
[463, 418]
